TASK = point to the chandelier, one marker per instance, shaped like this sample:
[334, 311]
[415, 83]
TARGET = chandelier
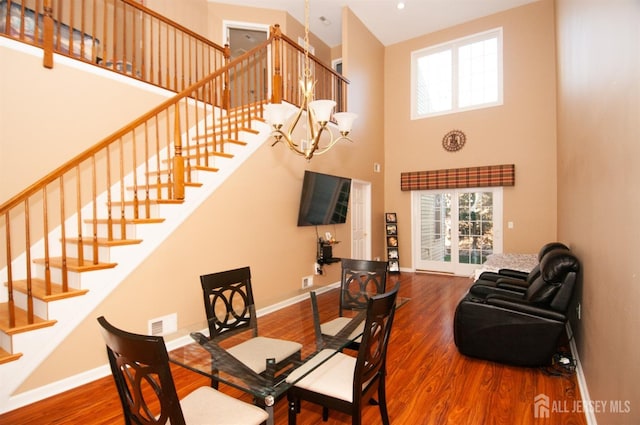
[318, 135]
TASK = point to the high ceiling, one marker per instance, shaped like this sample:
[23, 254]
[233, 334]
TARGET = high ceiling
[382, 17]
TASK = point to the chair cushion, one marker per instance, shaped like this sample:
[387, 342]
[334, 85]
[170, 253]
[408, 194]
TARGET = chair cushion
[206, 406]
[334, 377]
[334, 326]
[255, 351]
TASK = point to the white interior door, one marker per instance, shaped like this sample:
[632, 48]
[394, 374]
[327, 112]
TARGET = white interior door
[455, 230]
[360, 220]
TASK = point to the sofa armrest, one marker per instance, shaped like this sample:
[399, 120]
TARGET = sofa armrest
[483, 291]
[512, 281]
[515, 274]
[524, 307]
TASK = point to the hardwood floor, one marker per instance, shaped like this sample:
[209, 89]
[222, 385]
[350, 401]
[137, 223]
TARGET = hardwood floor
[428, 381]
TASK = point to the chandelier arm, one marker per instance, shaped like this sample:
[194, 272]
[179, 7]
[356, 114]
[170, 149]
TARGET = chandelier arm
[320, 151]
[283, 137]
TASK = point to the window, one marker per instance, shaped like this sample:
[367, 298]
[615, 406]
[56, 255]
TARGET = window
[460, 75]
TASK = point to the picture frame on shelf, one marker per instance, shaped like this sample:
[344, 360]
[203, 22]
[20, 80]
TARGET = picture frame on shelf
[391, 233]
[394, 266]
[392, 229]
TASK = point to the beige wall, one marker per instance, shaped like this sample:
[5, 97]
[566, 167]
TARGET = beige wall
[598, 191]
[182, 12]
[251, 220]
[520, 132]
[72, 108]
[362, 61]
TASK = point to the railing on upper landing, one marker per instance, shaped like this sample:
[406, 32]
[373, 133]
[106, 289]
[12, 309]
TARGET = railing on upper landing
[287, 67]
[120, 35]
[63, 219]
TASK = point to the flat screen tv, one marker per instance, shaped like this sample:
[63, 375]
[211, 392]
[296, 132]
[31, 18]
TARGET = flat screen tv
[324, 199]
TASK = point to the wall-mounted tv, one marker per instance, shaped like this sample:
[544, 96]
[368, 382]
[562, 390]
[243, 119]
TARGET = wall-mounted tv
[324, 199]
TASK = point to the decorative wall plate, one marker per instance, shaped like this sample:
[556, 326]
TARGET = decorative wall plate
[454, 140]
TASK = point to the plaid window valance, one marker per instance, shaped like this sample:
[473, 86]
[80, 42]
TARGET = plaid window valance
[490, 175]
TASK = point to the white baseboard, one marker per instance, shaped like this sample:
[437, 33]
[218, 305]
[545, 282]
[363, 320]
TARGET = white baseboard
[582, 382]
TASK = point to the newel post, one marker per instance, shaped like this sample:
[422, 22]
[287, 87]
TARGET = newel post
[47, 35]
[276, 87]
[178, 159]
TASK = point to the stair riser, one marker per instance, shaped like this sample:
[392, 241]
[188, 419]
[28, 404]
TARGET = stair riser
[6, 342]
[227, 147]
[193, 149]
[116, 210]
[21, 342]
[129, 231]
[74, 279]
[87, 250]
[40, 307]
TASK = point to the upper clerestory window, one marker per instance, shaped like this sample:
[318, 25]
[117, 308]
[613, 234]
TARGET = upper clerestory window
[460, 75]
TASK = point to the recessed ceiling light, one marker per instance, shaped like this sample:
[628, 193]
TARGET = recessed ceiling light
[324, 20]
[400, 5]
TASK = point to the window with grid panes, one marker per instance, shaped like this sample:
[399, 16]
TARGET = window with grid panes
[456, 76]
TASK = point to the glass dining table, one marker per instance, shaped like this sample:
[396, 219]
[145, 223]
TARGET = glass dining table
[212, 360]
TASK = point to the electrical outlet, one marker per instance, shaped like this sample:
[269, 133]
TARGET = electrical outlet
[307, 282]
[317, 269]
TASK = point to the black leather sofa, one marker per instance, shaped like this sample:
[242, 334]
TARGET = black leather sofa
[515, 327]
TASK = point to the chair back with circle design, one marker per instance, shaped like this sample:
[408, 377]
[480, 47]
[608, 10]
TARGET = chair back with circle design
[361, 279]
[228, 303]
[140, 368]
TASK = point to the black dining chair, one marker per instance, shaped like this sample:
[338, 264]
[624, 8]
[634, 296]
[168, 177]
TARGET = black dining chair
[230, 310]
[140, 368]
[338, 381]
[360, 280]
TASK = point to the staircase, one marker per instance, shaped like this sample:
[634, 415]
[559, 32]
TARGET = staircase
[58, 313]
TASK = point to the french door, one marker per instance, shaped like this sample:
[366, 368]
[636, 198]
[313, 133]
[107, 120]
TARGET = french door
[455, 230]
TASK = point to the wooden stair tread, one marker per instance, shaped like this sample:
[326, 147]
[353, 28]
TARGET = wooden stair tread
[106, 242]
[214, 153]
[39, 291]
[217, 142]
[222, 129]
[73, 264]
[6, 357]
[119, 221]
[151, 201]
[187, 166]
[153, 186]
[22, 322]
[203, 168]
